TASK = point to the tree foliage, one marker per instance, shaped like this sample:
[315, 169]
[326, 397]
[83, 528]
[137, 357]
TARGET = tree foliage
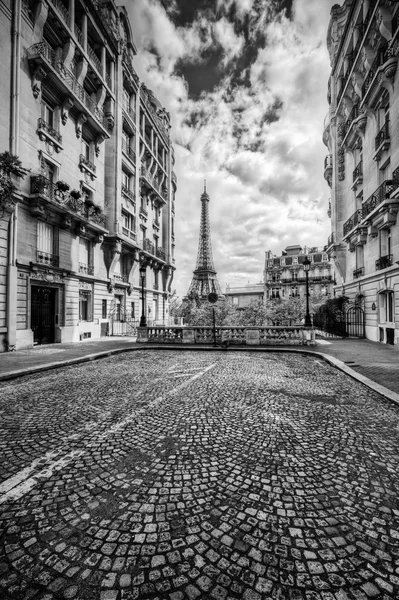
[330, 316]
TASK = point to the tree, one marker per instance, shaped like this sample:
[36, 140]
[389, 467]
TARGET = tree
[330, 316]
[10, 165]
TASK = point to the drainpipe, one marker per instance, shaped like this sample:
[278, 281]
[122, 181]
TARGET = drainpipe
[11, 292]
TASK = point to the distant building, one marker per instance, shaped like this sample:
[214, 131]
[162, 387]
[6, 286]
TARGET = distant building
[362, 165]
[99, 201]
[241, 297]
[284, 275]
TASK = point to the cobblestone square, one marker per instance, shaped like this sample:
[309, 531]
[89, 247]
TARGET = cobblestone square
[198, 475]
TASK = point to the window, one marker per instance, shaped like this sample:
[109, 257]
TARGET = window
[86, 150]
[104, 308]
[85, 305]
[128, 221]
[48, 114]
[294, 275]
[85, 256]
[126, 180]
[126, 100]
[386, 305]
[47, 244]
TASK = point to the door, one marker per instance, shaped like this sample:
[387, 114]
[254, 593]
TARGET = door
[355, 322]
[43, 314]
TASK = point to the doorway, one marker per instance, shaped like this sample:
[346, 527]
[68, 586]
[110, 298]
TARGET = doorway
[43, 314]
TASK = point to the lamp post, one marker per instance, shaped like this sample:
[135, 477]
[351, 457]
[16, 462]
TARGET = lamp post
[306, 265]
[143, 321]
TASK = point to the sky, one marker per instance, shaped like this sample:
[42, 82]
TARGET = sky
[245, 83]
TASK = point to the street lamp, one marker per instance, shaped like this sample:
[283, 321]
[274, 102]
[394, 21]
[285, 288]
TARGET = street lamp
[306, 265]
[143, 321]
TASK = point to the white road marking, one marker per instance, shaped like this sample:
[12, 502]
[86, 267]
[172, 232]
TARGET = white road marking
[22, 482]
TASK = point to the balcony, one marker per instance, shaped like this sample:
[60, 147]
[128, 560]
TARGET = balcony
[86, 269]
[349, 132]
[127, 149]
[130, 113]
[44, 258]
[86, 166]
[357, 175]
[380, 208]
[43, 62]
[383, 262]
[148, 246]
[69, 205]
[47, 133]
[62, 10]
[127, 193]
[382, 141]
[152, 187]
[120, 278]
[358, 272]
[95, 60]
[384, 63]
[353, 221]
[161, 254]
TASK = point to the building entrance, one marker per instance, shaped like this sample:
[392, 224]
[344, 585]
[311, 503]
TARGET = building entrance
[355, 322]
[43, 314]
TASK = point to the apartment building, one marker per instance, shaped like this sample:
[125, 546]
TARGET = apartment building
[99, 201]
[285, 275]
[243, 296]
[362, 166]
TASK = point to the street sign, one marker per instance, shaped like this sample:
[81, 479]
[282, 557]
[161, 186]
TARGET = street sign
[212, 297]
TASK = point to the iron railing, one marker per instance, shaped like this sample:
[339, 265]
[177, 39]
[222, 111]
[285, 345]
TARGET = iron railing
[148, 246]
[86, 163]
[95, 60]
[45, 258]
[67, 199]
[383, 262]
[358, 272]
[383, 192]
[354, 220]
[382, 135]
[379, 60]
[128, 193]
[43, 126]
[358, 170]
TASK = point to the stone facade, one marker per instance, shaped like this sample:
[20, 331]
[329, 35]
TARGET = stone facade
[99, 201]
[361, 132]
[285, 276]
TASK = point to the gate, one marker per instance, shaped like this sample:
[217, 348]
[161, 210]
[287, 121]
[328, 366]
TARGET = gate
[43, 314]
[120, 321]
[355, 322]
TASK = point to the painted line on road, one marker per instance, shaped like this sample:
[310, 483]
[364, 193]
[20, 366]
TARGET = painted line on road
[22, 482]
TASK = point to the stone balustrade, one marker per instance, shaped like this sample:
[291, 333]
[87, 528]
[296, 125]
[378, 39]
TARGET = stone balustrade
[244, 336]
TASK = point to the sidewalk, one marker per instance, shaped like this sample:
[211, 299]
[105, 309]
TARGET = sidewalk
[376, 365]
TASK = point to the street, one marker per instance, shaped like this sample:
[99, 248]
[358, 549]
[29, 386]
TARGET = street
[173, 476]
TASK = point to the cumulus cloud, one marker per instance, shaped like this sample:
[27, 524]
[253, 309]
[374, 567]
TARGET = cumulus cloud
[255, 136]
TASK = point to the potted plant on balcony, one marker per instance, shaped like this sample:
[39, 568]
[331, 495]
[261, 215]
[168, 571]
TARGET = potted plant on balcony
[75, 194]
[38, 183]
[89, 202]
[62, 186]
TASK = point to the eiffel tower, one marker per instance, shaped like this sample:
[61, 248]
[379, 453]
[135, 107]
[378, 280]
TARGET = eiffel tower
[204, 281]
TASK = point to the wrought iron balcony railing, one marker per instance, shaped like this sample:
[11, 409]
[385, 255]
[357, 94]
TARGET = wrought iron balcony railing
[128, 150]
[86, 269]
[383, 262]
[45, 258]
[62, 10]
[68, 200]
[85, 162]
[331, 239]
[358, 272]
[148, 246]
[68, 79]
[358, 171]
[354, 220]
[382, 135]
[95, 60]
[48, 129]
[383, 192]
[128, 193]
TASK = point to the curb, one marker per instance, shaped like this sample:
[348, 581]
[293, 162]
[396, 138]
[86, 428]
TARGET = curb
[335, 362]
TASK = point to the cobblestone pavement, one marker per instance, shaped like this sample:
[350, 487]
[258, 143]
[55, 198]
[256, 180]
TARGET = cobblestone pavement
[198, 476]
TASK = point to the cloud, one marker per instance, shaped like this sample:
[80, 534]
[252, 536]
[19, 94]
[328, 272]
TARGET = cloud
[255, 136]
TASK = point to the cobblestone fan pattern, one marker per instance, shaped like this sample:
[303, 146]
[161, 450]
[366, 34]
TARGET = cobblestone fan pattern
[165, 476]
